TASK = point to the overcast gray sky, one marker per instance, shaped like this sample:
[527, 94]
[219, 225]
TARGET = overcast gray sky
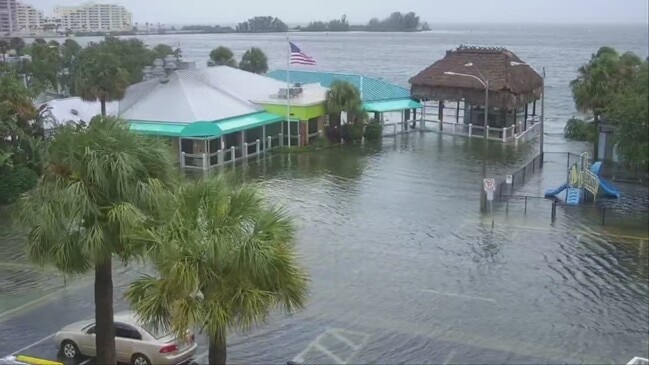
[360, 11]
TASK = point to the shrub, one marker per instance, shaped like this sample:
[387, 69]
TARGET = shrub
[580, 130]
[15, 182]
[352, 131]
[373, 131]
[320, 143]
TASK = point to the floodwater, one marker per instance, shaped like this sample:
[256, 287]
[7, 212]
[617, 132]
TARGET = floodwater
[404, 269]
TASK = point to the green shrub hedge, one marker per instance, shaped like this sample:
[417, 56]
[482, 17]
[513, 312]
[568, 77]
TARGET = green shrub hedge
[16, 181]
[352, 131]
[580, 130]
[373, 131]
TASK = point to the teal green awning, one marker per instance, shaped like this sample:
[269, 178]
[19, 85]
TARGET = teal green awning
[391, 105]
[249, 121]
[157, 129]
[202, 129]
[205, 129]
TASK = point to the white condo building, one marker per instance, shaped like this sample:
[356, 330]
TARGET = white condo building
[7, 17]
[92, 17]
[28, 17]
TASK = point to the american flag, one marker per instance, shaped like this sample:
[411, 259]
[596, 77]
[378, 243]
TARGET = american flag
[299, 58]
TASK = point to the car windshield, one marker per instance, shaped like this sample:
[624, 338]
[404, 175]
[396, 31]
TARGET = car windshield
[158, 334]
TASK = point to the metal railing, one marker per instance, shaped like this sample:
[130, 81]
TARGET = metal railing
[590, 182]
[251, 148]
[470, 130]
[632, 220]
[507, 134]
[519, 177]
[192, 161]
[397, 128]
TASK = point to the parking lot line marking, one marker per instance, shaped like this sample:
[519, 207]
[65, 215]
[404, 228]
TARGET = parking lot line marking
[32, 345]
[45, 298]
[345, 340]
[85, 362]
[459, 295]
[329, 354]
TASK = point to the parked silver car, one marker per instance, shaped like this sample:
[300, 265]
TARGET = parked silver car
[135, 343]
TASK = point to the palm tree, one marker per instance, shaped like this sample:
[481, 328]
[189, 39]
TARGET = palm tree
[599, 80]
[99, 77]
[223, 56]
[17, 44]
[103, 185]
[342, 96]
[4, 47]
[224, 260]
[254, 60]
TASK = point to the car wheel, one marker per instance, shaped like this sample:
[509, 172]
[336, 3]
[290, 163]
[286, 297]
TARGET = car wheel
[139, 359]
[69, 349]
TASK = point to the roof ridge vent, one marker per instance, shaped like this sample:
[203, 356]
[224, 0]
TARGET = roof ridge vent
[481, 49]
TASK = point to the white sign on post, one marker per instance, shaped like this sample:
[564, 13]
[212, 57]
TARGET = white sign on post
[489, 188]
[489, 185]
[509, 179]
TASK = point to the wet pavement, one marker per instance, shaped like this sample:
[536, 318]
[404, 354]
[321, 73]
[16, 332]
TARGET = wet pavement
[321, 342]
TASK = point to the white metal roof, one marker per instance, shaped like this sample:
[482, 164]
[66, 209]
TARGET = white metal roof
[208, 94]
[73, 110]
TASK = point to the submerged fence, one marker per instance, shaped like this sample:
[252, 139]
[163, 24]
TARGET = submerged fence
[603, 212]
[519, 177]
[630, 219]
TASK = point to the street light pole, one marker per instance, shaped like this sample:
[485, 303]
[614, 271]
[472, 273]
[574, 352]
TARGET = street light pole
[542, 118]
[483, 194]
[485, 83]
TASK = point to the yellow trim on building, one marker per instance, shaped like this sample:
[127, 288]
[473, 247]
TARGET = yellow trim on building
[300, 112]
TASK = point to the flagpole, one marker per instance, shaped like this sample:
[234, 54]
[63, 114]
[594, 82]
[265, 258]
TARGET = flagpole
[288, 90]
[361, 87]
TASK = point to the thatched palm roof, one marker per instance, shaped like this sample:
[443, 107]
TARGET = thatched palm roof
[511, 82]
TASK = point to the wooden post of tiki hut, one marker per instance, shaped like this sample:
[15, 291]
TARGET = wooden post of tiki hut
[478, 76]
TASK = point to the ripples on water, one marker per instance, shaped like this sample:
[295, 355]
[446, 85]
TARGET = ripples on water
[393, 241]
[396, 248]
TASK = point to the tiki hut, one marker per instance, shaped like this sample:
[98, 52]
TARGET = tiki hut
[514, 87]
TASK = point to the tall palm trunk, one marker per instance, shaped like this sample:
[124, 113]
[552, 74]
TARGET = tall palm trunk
[105, 326]
[103, 107]
[596, 142]
[218, 352]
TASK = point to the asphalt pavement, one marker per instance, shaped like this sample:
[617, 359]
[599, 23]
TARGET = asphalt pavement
[31, 332]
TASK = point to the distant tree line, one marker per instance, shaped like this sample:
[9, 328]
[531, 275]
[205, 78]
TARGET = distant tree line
[334, 25]
[396, 22]
[208, 29]
[262, 24]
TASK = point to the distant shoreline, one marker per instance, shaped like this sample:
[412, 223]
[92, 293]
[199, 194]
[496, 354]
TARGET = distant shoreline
[127, 34]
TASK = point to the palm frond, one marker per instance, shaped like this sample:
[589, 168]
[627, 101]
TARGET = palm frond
[224, 260]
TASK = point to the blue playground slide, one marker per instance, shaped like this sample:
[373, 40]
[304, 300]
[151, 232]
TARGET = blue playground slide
[606, 187]
[573, 196]
[554, 192]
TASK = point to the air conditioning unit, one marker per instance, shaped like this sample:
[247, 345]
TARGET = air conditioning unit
[290, 93]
